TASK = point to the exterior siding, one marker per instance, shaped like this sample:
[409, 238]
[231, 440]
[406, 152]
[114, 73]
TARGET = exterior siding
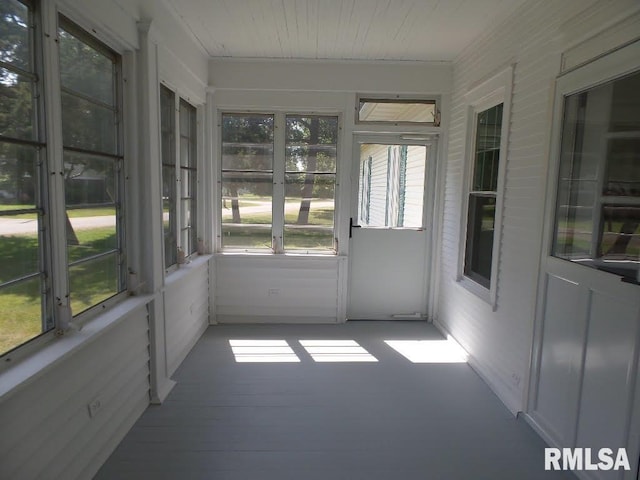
[533, 39]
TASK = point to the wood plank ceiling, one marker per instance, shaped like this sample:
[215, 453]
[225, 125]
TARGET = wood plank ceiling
[419, 30]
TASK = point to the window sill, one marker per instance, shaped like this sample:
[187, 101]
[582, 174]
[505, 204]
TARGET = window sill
[43, 360]
[184, 269]
[243, 254]
[480, 291]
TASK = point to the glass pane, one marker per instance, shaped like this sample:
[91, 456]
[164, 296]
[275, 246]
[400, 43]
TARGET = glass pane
[17, 119]
[246, 209]
[391, 185]
[480, 229]
[487, 149]
[311, 144]
[87, 125]
[91, 232]
[85, 70]
[89, 180]
[309, 211]
[167, 122]
[19, 252]
[597, 210]
[18, 180]
[390, 111]
[20, 314]
[247, 142]
[622, 177]
[15, 39]
[92, 282]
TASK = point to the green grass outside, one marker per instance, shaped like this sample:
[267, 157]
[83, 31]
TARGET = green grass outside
[91, 282]
[75, 213]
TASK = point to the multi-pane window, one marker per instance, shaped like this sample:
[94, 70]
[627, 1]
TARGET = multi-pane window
[23, 310]
[179, 178]
[598, 204]
[168, 152]
[91, 123]
[88, 167]
[483, 195]
[188, 178]
[278, 199]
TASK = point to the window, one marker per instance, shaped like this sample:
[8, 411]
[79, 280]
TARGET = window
[397, 111]
[82, 196]
[481, 215]
[24, 313]
[278, 199]
[179, 179]
[392, 185]
[597, 220]
[481, 223]
[91, 122]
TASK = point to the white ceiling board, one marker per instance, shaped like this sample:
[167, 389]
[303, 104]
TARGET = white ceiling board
[419, 30]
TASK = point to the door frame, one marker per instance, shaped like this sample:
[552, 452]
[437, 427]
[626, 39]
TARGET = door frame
[431, 223]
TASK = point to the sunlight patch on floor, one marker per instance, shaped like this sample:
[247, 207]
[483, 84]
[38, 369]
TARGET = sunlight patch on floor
[262, 351]
[337, 351]
[429, 351]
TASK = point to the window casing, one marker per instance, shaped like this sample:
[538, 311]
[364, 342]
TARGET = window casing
[489, 106]
[278, 179]
[70, 201]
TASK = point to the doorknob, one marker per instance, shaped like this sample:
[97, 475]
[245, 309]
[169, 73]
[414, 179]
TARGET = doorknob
[351, 227]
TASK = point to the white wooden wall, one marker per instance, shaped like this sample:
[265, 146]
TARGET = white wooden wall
[500, 341]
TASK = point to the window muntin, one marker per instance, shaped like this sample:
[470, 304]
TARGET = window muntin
[247, 180]
[397, 111]
[168, 152]
[24, 311]
[188, 177]
[91, 118]
[311, 144]
[391, 185]
[483, 195]
[598, 204]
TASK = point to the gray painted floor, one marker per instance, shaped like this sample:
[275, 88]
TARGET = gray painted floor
[391, 420]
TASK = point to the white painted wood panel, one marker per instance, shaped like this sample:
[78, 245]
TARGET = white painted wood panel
[47, 430]
[186, 309]
[278, 289]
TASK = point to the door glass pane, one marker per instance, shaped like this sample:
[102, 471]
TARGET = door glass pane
[598, 205]
[391, 185]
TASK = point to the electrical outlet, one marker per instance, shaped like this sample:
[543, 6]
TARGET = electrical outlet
[94, 407]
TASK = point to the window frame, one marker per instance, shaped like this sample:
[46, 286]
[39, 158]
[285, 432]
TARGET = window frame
[278, 174]
[48, 111]
[489, 93]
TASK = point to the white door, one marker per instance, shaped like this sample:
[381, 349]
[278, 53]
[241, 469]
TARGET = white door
[390, 236]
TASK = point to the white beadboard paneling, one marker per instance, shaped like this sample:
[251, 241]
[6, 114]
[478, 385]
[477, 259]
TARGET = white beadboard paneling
[47, 430]
[186, 309]
[278, 289]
